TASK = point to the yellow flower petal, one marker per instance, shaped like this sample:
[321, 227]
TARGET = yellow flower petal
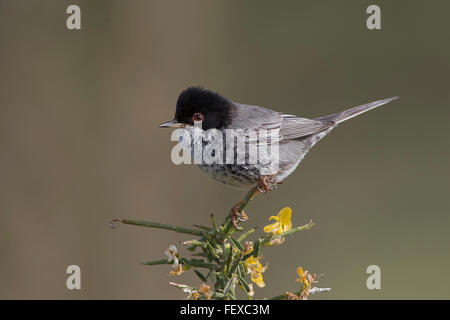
[250, 260]
[283, 222]
[301, 275]
[258, 279]
[271, 227]
[287, 227]
[259, 268]
[251, 263]
[254, 267]
[285, 218]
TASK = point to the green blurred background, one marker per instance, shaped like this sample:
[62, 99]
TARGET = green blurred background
[80, 143]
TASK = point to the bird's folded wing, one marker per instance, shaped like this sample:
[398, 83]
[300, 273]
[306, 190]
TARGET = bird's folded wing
[288, 126]
[293, 127]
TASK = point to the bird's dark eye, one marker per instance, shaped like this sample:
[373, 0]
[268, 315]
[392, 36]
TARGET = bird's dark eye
[197, 117]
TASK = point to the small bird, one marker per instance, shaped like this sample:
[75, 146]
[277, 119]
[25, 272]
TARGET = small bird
[296, 136]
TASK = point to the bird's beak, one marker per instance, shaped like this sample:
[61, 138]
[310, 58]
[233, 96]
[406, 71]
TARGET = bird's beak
[171, 124]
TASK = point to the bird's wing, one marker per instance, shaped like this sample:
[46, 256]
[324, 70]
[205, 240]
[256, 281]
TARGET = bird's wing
[254, 117]
[288, 126]
[293, 127]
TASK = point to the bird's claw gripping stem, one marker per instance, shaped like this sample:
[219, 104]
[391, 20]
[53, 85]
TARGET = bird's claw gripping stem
[266, 183]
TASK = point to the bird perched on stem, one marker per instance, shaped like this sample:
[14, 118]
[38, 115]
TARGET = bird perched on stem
[295, 136]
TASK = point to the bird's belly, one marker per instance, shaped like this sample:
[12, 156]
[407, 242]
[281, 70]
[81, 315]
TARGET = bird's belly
[245, 176]
[238, 176]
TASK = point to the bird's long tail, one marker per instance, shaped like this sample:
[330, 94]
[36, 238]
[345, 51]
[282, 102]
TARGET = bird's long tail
[353, 112]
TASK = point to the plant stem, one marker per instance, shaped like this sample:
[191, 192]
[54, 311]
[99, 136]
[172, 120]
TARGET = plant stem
[148, 224]
[156, 262]
[307, 226]
[249, 196]
[214, 224]
[201, 264]
[192, 263]
[246, 234]
[270, 237]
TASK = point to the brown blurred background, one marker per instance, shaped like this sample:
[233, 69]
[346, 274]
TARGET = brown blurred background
[79, 141]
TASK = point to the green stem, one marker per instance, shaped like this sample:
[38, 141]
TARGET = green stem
[249, 196]
[192, 263]
[246, 234]
[156, 262]
[270, 237]
[198, 263]
[149, 224]
[307, 226]
[214, 224]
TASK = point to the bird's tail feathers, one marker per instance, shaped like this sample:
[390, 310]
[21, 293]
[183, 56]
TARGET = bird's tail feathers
[353, 112]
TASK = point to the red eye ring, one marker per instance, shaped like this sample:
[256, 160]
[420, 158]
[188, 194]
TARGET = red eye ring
[197, 117]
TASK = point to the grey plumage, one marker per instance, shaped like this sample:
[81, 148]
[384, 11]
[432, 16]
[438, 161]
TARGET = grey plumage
[291, 126]
[353, 112]
[296, 135]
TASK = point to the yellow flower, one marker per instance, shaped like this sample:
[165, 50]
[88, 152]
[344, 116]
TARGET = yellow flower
[302, 276]
[258, 279]
[306, 278]
[282, 222]
[255, 269]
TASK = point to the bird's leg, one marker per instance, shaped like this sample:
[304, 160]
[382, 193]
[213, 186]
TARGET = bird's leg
[267, 183]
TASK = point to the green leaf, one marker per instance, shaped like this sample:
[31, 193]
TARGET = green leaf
[199, 254]
[244, 284]
[212, 251]
[150, 224]
[236, 244]
[197, 263]
[220, 283]
[241, 270]
[246, 234]
[256, 249]
[202, 227]
[156, 262]
[228, 286]
[229, 255]
[234, 265]
[200, 275]
[214, 224]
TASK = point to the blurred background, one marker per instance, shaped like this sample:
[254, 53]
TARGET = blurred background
[80, 143]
